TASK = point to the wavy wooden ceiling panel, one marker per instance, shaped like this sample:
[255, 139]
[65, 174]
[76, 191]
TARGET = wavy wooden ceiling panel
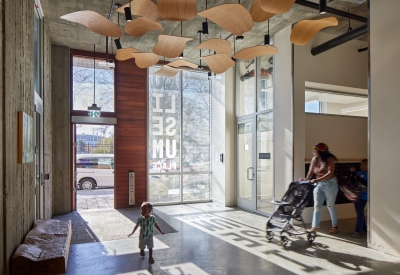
[167, 71]
[258, 14]
[218, 63]
[252, 52]
[276, 6]
[305, 30]
[124, 54]
[140, 26]
[177, 10]
[232, 17]
[94, 22]
[217, 45]
[145, 8]
[145, 60]
[170, 46]
[182, 63]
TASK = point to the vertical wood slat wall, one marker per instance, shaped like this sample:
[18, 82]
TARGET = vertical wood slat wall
[130, 132]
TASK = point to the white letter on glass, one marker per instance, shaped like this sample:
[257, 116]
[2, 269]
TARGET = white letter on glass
[158, 147]
[172, 123]
[157, 109]
[159, 126]
[168, 151]
[172, 110]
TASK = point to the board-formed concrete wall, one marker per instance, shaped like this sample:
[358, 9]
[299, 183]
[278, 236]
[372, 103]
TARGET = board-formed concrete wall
[17, 181]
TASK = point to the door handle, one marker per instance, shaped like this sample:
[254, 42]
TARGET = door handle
[251, 173]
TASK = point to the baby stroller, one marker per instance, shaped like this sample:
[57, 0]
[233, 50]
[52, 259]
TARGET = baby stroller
[290, 208]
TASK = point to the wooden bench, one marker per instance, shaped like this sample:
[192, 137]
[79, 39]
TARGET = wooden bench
[45, 249]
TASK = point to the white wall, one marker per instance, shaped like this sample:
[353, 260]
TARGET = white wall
[283, 102]
[384, 185]
[223, 140]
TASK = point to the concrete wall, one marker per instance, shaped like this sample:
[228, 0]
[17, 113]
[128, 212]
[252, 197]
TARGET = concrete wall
[346, 136]
[47, 125]
[60, 86]
[223, 178]
[384, 188]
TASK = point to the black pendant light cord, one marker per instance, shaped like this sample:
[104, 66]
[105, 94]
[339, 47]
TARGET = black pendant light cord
[94, 73]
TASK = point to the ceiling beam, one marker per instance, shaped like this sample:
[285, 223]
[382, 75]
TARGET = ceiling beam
[315, 6]
[341, 39]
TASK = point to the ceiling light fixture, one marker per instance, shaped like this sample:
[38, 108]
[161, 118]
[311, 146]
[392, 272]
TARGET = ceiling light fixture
[239, 38]
[204, 25]
[350, 28]
[200, 33]
[266, 37]
[118, 44]
[128, 13]
[181, 56]
[94, 110]
[322, 6]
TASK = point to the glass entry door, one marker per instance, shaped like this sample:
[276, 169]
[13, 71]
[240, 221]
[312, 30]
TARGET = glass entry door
[245, 164]
[255, 162]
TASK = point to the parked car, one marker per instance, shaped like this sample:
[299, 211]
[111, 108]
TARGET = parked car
[95, 170]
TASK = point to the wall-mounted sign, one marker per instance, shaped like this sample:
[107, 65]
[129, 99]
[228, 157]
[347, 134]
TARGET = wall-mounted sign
[264, 155]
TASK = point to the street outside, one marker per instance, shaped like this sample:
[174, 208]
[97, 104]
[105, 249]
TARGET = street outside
[100, 198]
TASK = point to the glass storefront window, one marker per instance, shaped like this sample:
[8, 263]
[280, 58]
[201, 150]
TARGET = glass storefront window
[264, 84]
[246, 87]
[83, 90]
[179, 137]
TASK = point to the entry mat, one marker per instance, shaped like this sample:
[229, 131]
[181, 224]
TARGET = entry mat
[100, 225]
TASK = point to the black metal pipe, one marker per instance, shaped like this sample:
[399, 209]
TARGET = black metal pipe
[332, 10]
[341, 39]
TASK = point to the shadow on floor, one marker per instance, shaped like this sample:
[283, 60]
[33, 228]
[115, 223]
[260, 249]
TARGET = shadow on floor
[81, 232]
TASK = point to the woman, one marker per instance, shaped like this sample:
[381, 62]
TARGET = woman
[323, 167]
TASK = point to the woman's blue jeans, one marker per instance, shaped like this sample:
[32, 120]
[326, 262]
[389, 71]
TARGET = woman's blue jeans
[328, 190]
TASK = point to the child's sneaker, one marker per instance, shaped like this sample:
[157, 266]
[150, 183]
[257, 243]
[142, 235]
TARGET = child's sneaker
[362, 232]
[142, 253]
[151, 260]
[356, 235]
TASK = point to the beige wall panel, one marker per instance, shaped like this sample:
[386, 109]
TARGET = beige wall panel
[384, 187]
[60, 76]
[346, 136]
[18, 185]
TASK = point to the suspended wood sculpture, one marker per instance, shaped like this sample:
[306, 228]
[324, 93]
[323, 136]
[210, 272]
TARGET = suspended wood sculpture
[216, 45]
[253, 52]
[140, 26]
[177, 10]
[170, 46]
[124, 54]
[167, 71]
[232, 17]
[145, 8]
[276, 6]
[94, 22]
[258, 14]
[145, 60]
[218, 63]
[182, 63]
[305, 30]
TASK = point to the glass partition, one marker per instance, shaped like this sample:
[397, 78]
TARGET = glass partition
[264, 84]
[246, 85]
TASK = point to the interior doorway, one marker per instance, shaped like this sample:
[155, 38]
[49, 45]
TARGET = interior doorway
[94, 166]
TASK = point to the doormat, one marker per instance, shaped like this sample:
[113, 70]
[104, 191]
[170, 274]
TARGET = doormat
[101, 225]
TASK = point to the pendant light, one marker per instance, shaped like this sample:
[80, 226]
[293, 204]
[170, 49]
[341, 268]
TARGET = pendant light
[200, 33]
[117, 41]
[204, 25]
[94, 110]
[322, 6]
[267, 37]
[128, 13]
[181, 56]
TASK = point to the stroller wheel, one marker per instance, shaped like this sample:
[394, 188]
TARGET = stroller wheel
[270, 235]
[311, 237]
[284, 241]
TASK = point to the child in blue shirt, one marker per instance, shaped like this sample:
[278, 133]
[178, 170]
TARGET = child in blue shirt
[362, 177]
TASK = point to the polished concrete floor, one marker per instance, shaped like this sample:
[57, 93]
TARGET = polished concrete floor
[218, 240]
[99, 198]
